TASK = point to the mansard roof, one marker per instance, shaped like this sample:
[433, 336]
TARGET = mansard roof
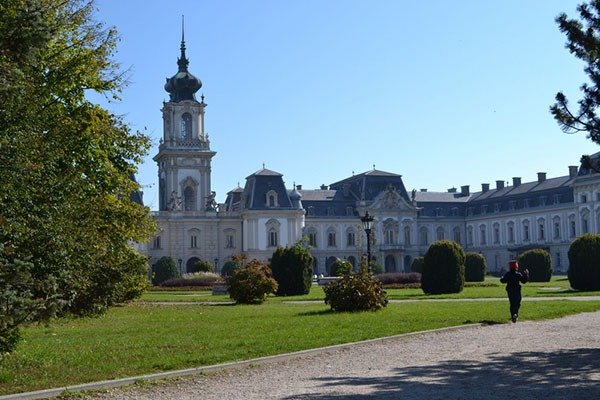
[260, 185]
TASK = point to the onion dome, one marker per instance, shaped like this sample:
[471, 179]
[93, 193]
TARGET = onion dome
[183, 85]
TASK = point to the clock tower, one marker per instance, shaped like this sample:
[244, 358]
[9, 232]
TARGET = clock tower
[184, 155]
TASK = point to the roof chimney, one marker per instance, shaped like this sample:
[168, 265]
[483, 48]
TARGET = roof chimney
[423, 190]
[485, 187]
[572, 171]
[541, 176]
[323, 187]
[298, 187]
[464, 190]
[499, 185]
[516, 181]
[452, 190]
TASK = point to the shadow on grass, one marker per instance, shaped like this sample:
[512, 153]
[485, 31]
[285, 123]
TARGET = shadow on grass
[316, 312]
[483, 321]
[565, 374]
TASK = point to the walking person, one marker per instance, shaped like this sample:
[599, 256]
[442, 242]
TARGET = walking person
[513, 279]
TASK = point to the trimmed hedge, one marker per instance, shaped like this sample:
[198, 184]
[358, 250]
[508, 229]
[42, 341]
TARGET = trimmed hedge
[292, 269]
[203, 266]
[341, 267]
[417, 265]
[164, 269]
[539, 264]
[584, 262]
[443, 268]
[475, 267]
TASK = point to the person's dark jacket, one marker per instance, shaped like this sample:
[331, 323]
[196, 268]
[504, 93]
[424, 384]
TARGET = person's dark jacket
[513, 280]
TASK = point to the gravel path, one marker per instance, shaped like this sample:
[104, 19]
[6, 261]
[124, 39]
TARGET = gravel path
[555, 359]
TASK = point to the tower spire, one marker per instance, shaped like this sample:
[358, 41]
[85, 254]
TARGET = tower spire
[182, 62]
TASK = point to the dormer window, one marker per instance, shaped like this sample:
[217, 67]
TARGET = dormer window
[272, 199]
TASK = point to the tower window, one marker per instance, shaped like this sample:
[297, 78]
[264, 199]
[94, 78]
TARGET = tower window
[186, 126]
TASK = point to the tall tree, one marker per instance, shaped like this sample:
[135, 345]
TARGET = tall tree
[66, 165]
[583, 41]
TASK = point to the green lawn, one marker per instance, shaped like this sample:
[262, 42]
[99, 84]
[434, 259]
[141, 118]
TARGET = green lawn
[557, 287]
[142, 338]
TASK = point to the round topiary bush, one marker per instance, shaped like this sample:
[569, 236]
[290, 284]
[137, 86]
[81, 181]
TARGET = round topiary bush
[539, 264]
[584, 262]
[475, 267]
[164, 269]
[341, 267]
[202, 266]
[443, 268]
[417, 265]
[251, 284]
[229, 267]
[356, 292]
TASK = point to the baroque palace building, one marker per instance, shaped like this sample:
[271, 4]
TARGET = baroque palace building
[498, 222]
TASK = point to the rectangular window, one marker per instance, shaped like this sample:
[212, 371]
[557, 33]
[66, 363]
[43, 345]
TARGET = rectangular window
[526, 233]
[229, 242]
[331, 239]
[572, 230]
[511, 234]
[541, 232]
[482, 240]
[156, 242]
[496, 235]
[312, 239]
[556, 230]
[193, 241]
[389, 237]
[584, 198]
[350, 240]
[273, 239]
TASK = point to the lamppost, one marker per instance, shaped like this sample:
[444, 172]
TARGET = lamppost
[180, 261]
[367, 222]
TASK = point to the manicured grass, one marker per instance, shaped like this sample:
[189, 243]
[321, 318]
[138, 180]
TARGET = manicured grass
[141, 338]
[558, 286]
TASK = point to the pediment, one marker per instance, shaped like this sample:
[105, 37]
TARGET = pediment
[391, 199]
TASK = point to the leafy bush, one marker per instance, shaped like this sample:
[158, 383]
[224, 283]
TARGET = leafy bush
[412, 279]
[341, 267]
[202, 266]
[584, 262]
[229, 266]
[356, 292]
[376, 268]
[292, 269]
[164, 269]
[417, 265]
[475, 267]
[203, 279]
[539, 264]
[251, 284]
[443, 268]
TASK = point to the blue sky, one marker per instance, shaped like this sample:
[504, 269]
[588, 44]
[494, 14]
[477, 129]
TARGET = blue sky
[445, 93]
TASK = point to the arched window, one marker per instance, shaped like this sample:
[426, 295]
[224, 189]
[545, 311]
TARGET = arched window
[585, 221]
[439, 233]
[556, 227]
[312, 237]
[541, 224]
[470, 235]
[272, 198]
[331, 237]
[496, 230]
[193, 238]
[456, 234]
[407, 235]
[273, 232]
[526, 230]
[423, 237]
[390, 263]
[510, 232]
[189, 199]
[482, 235]
[350, 237]
[186, 126]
